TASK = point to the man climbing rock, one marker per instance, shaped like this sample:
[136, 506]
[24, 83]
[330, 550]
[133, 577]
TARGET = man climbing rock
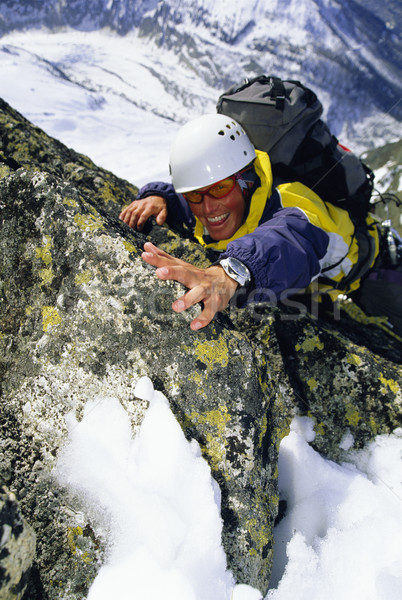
[271, 243]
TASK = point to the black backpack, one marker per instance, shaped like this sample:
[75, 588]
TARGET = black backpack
[282, 117]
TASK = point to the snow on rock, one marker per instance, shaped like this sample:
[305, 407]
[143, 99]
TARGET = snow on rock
[157, 500]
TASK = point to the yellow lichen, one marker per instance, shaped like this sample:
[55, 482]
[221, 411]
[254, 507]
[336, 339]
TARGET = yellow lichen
[312, 383]
[310, 344]
[260, 535]
[352, 415]
[390, 383]
[50, 317]
[219, 418]
[212, 352]
[282, 432]
[84, 277]
[70, 202]
[107, 192]
[373, 425]
[196, 376]
[88, 222]
[86, 558]
[46, 275]
[216, 441]
[44, 253]
[264, 427]
[319, 428]
[354, 359]
[129, 246]
[4, 171]
[73, 533]
[215, 449]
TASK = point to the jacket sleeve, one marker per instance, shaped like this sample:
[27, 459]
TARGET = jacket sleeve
[282, 254]
[179, 212]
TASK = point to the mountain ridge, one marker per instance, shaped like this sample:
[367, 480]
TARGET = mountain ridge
[172, 60]
[348, 36]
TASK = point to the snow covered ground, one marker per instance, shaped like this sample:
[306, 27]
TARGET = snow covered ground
[121, 100]
[153, 498]
[106, 96]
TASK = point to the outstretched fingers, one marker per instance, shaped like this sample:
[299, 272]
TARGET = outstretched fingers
[169, 267]
[150, 248]
[211, 286]
[194, 296]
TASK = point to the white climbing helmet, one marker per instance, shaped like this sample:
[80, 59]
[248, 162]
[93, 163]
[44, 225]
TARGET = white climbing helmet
[208, 149]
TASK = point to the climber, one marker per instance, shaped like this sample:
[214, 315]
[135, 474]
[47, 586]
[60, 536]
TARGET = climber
[270, 242]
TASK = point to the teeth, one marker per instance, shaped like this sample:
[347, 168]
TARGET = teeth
[217, 219]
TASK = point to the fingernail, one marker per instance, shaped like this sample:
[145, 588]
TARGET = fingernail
[147, 255]
[179, 305]
[162, 270]
[196, 325]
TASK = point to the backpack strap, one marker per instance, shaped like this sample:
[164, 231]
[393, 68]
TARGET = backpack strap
[278, 92]
[366, 254]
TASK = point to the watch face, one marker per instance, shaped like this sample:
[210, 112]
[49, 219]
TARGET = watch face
[236, 270]
[242, 269]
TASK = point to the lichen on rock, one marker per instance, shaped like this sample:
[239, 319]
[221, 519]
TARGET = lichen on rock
[83, 317]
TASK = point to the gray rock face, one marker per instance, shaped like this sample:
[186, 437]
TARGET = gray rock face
[82, 317]
[17, 548]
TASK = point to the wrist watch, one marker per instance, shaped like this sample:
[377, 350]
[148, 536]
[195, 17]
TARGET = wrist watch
[236, 270]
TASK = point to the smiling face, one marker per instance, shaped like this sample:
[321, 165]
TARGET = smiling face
[222, 217]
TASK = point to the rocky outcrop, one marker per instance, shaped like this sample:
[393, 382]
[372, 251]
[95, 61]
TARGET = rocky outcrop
[342, 373]
[17, 548]
[23, 144]
[82, 317]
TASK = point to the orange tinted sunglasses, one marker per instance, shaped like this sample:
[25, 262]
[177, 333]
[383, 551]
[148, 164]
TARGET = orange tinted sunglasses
[218, 190]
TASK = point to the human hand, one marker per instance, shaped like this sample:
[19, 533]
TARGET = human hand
[210, 286]
[138, 212]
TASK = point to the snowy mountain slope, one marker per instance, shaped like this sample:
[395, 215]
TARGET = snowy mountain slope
[176, 59]
[108, 97]
[337, 44]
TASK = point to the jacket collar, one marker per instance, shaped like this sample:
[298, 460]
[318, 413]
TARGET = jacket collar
[263, 169]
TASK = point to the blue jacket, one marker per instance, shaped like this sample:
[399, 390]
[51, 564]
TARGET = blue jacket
[290, 237]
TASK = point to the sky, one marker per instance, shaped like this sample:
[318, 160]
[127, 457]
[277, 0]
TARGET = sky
[151, 496]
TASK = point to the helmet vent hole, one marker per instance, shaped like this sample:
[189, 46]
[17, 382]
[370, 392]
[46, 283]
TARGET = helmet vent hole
[232, 137]
[221, 132]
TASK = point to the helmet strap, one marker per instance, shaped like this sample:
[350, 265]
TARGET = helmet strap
[248, 181]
